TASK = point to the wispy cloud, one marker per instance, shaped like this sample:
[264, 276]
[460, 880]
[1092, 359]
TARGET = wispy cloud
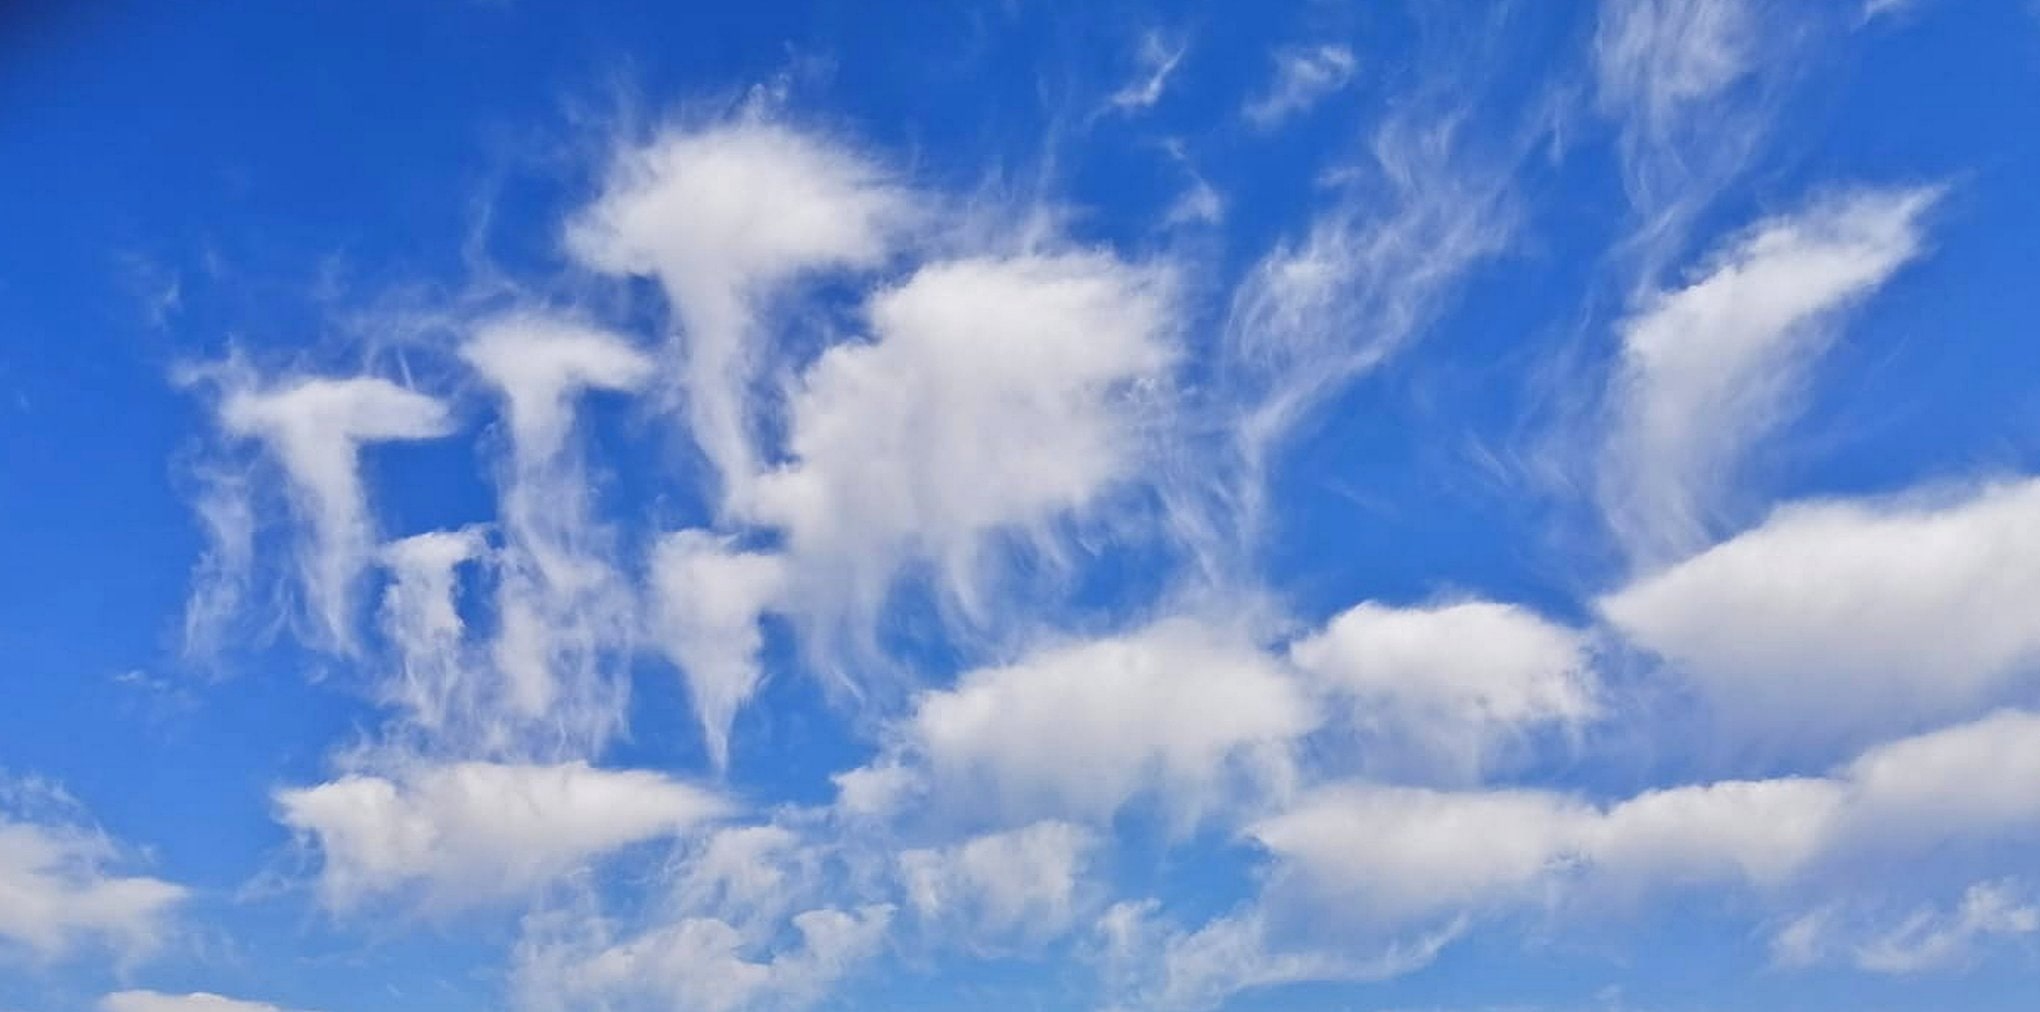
[1304, 76]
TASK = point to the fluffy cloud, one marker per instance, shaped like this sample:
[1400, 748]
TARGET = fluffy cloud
[999, 395]
[1018, 886]
[197, 1001]
[472, 831]
[699, 965]
[706, 602]
[1304, 76]
[1833, 620]
[1177, 709]
[722, 216]
[1398, 855]
[1711, 367]
[1454, 683]
[315, 429]
[58, 886]
[540, 366]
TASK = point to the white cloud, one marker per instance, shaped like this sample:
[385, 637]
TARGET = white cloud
[1712, 367]
[468, 832]
[1018, 887]
[1177, 709]
[219, 582]
[433, 682]
[1834, 620]
[1873, 9]
[706, 600]
[1657, 58]
[722, 216]
[1157, 59]
[1304, 76]
[58, 886]
[1362, 280]
[1149, 963]
[998, 396]
[197, 1001]
[1454, 683]
[698, 965]
[1686, 82]
[315, 429]
[1926, 940]
[564, 615]
[541, 366]
[1397, 856]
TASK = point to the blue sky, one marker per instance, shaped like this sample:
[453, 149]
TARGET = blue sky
[1020, 506]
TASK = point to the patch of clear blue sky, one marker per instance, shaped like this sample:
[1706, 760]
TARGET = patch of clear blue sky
[178, 177]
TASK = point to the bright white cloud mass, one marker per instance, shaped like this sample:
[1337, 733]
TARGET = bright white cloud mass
[1023, 506]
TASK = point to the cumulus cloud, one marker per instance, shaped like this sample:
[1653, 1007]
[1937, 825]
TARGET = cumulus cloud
[999, 395]
[59, 883]
[1713, 366]
[469, 832]
[1451, 684]
[1304, 76]
[315, 429]
[707, 599]
[1400, 855]
[698, 964]
[1177, 710]
[197, 1001]
[1015, 887]
[724, 216]
[1834, 620]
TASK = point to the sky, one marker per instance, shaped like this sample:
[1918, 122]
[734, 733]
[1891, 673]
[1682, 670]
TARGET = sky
[1011, 504]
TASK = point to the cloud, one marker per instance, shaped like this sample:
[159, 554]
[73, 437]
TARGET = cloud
[564, 615]
[1389, 856]
[197, 1001]
[698, 965]
[1150, 963]
[1177, 710]
[1304, 76]
[1838, 619]
[315, 429]
[1453, 683]
[1157, 59]
[58, 886]
[434, 680]
[540, 366]
[470, 832]
[1924, 941]
[1361, 281]
[1713, 366]
[1685, 81]
[999, 395]
[1017, 887]
[723, 216]
[707, 600]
